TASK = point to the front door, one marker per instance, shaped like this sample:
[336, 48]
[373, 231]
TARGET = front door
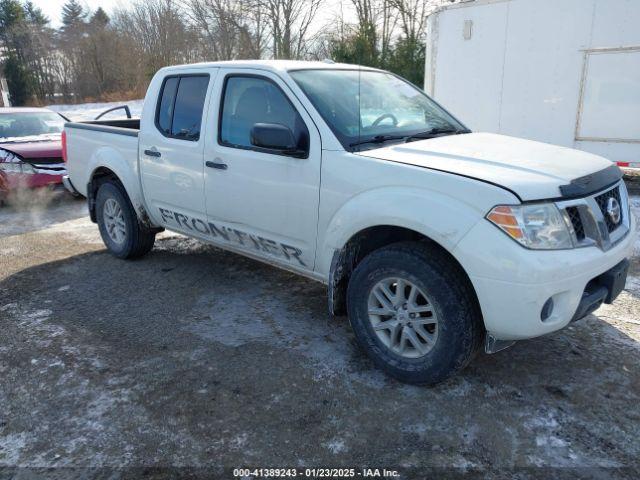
[259, 201]
[171, 149]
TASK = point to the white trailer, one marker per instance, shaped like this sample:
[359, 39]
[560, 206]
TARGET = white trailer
[565, 72]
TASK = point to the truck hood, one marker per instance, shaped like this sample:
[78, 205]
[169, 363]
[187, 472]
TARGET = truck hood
[531, 170]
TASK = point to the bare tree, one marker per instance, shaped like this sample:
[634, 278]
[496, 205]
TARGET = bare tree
[230, 29]
[412, 15]
[289, 22]
[157, 30]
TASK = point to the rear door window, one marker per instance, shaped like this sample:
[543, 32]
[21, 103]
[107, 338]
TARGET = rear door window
[181, 105]
[165, 109]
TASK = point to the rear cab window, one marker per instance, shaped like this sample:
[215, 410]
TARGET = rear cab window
[180, 106]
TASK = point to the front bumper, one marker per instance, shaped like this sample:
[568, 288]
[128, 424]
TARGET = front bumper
[513, 283]
[604, 288]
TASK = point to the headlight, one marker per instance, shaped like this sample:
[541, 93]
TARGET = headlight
[11, 163]
[539, 226]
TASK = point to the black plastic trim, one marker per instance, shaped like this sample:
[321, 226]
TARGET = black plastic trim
[102, 128]
[591, 301]
[126, 109]
[592, 183]
[602, 289]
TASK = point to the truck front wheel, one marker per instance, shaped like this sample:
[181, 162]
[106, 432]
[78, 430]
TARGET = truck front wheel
[118, 223]
[414, 313]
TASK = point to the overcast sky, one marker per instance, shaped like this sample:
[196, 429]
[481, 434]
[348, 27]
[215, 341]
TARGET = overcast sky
[53, 8]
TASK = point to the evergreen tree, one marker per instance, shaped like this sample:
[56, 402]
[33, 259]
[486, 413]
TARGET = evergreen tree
[407, 59]
[11, 16]
[357, 47]
[14, 35]
[73, 15]
[35, 15]
[100, 18]
[19, 80]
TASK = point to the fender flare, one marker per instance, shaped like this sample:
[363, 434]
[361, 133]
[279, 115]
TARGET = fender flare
[410, 216]
[111, 159]
[441, 218]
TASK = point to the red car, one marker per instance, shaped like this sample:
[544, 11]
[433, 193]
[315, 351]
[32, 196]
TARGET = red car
[30, 148]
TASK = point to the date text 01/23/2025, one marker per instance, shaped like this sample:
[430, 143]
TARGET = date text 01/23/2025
[315, 473]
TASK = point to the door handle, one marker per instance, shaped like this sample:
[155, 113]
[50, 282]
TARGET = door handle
[218, 165]
[153, 153]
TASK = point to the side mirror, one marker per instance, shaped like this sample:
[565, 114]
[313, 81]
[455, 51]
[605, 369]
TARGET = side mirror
[276, 137]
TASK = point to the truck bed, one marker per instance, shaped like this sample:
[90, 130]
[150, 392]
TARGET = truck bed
[89, 142]
[129, 126]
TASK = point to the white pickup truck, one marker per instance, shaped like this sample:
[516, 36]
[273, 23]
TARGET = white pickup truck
[433, 239]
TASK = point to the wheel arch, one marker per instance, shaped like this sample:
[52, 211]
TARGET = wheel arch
[98, 176]
[367, 240]
[101, 174]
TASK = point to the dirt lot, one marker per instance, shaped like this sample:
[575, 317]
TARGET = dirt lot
[193, 361]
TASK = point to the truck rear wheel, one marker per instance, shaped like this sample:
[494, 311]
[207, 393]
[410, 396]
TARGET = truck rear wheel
[414, 313]
[118, 223]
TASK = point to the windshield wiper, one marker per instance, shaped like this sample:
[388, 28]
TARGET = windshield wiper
[434, 132]
[378, 139]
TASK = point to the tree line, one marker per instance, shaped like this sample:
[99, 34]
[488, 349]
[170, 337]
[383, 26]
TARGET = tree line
[94, 56]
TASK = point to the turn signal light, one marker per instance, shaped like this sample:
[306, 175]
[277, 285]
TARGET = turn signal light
[505, 218]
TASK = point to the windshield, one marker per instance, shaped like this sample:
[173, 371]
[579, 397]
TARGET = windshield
[365, 108]
[27, 124]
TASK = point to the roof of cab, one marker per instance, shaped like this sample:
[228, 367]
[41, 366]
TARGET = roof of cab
[270, 65]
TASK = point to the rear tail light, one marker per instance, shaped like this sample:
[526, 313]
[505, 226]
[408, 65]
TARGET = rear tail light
[64, 146]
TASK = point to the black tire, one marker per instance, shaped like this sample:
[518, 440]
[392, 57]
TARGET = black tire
[138, 240]
[460, 327]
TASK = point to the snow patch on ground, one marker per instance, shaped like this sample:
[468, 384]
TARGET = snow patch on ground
[10, 447]
[336, 446]
[81, 228]
[38, 213]
[633, 285]
[224, 317]
[543, 421]
[89, 111]
[39, 328]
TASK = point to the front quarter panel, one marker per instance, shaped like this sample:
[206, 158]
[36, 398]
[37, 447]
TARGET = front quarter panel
[360, 192]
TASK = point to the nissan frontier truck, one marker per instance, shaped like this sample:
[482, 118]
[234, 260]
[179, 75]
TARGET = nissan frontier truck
[435, 241]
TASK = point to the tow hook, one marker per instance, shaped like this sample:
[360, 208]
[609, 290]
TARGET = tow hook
[494, 345]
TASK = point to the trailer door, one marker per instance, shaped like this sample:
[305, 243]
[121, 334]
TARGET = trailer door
[610, 98]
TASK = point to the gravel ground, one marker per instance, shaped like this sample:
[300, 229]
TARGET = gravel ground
[193, 361]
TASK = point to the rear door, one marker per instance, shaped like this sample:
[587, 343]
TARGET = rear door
[171, 148]
[263, 203]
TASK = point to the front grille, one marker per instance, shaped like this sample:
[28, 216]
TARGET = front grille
[591, 223]
[602, 200]
[576, 221]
